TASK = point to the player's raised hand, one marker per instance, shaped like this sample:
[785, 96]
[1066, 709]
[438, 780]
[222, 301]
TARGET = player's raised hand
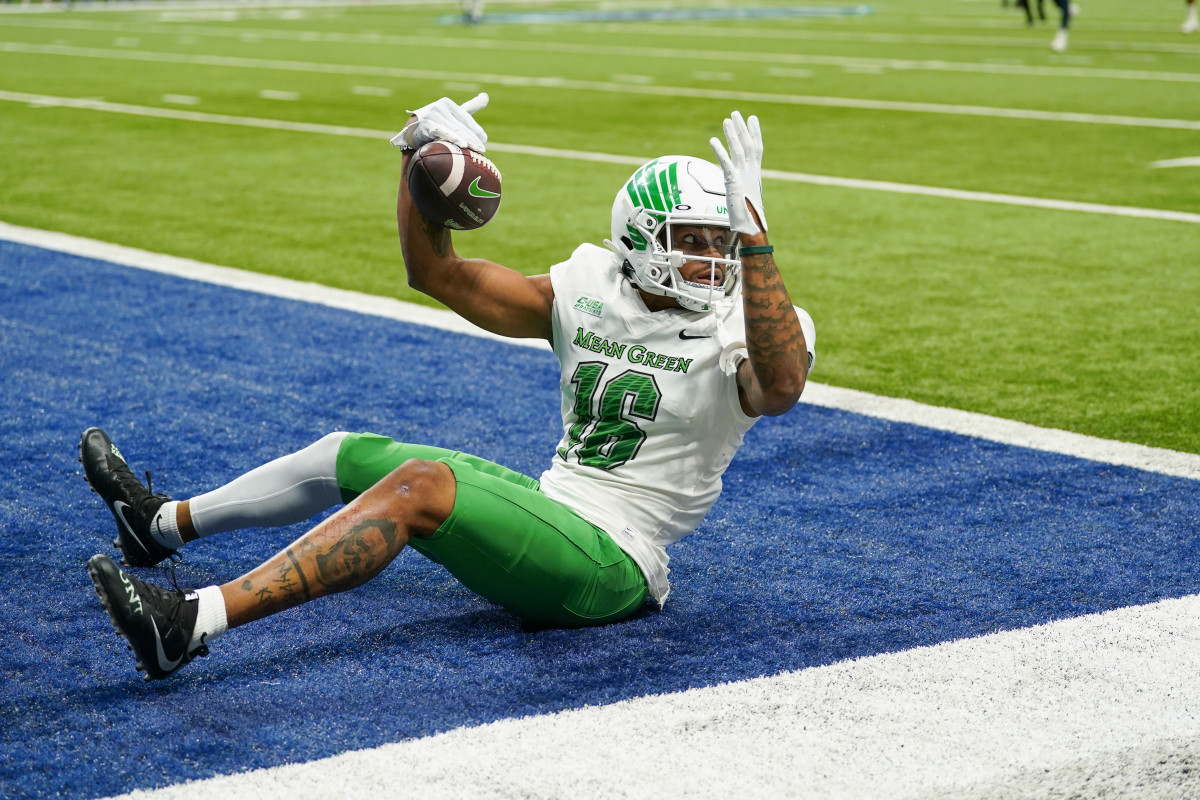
[742, 165]
[447, 121]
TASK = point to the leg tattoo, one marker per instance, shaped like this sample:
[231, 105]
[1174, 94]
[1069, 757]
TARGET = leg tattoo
[358, 555]
[319, 565]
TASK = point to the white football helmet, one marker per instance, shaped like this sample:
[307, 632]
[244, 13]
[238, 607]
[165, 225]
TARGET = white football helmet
[663, 194]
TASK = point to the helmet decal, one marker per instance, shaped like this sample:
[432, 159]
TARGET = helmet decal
[655, 189]
[665, 194]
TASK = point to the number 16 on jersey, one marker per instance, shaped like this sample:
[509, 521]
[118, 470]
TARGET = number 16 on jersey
[606, 433]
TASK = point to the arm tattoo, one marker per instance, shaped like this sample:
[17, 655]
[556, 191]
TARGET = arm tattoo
[774, 337]
[439, 237]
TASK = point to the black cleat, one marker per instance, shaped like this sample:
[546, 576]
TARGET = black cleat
[132, 504]
[158, 623]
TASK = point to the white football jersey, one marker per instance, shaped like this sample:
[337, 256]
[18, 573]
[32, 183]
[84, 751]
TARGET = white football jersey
[650, 409]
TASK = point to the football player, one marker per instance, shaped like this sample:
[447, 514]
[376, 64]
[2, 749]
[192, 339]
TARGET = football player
[472, 11]
[1192, 23]
[672, 340]
[1025, 5]
[1059, 44]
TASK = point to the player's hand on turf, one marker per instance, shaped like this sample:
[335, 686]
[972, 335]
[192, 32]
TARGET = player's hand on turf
[742, 165]
[445, 120]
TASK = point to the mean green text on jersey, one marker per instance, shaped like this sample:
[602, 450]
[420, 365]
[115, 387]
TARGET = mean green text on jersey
[634, 355]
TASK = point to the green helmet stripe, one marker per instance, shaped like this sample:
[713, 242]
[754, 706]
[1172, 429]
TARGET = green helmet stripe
[655, 188]
[647, 188]
[631, 187]
[637, 191]
[669, 186]
[635, 236]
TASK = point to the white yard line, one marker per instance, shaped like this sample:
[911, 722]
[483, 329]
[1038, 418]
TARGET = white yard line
[45, 101]
[673, 55]
[1191, 161]
[23, 14]
[566, 84]
[1151, 459]
[92, 104]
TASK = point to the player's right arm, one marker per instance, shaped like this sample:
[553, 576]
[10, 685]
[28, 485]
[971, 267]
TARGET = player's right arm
[494, 297]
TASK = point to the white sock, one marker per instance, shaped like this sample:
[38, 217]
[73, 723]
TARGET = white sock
[165, 528]
[210, 617]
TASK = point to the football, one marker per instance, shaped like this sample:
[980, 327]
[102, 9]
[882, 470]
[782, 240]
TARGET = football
[453, 186]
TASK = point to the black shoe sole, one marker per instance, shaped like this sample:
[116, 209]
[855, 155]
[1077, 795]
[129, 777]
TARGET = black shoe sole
[105, 578]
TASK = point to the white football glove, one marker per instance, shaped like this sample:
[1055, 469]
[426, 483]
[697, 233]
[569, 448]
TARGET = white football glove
[742, 166]
[445, 120]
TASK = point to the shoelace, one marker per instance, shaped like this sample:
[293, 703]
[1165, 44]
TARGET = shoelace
[150, 495]
[174, 600]
[142, 496]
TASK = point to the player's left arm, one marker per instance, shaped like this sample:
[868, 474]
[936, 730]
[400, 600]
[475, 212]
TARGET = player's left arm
[771, 379]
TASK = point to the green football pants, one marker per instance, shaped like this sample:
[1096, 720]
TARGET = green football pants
[507, 541]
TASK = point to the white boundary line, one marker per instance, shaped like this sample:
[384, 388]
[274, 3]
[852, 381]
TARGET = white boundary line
[1150, 459]
[92, 104]
[1092, 707]
[554, 82]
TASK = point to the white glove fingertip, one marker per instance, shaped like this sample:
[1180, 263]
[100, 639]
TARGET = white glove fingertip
[756, 139]
[722, 156]
[736, 151]
[476, 103]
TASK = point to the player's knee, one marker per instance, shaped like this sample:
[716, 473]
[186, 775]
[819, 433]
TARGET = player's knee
[425, 489]
[417, 477]
[331, 441]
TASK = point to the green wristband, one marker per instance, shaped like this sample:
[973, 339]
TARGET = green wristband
[756, 250]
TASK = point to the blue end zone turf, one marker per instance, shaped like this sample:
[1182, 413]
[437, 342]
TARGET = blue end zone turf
[839, 536]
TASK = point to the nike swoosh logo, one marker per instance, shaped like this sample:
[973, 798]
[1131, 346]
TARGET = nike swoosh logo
[686, 336]
[475, 191]
[119, 510]
[163, 663]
